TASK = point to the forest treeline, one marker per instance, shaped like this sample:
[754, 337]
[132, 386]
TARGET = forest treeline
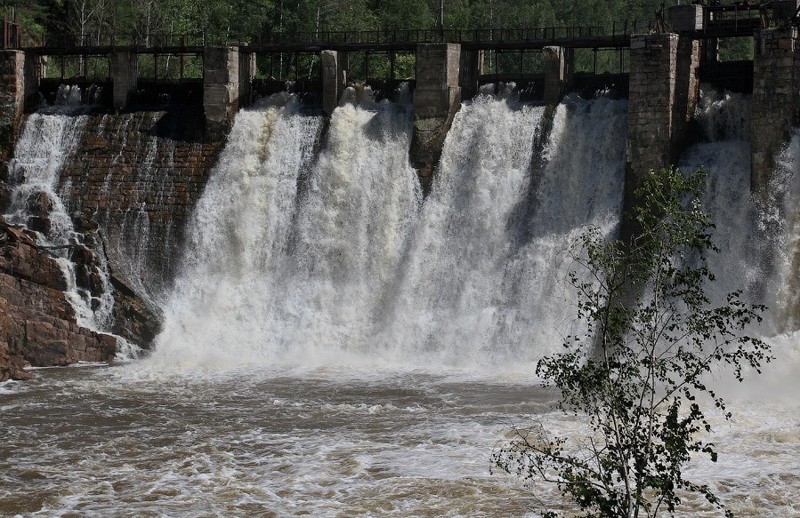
[221, 21]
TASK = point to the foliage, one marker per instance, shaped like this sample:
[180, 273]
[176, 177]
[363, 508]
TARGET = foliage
[637, 375]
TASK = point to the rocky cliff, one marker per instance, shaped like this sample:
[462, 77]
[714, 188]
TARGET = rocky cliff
[37, 322]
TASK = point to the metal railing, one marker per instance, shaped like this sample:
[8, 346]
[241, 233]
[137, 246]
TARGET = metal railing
[11, 34]
[268, 38]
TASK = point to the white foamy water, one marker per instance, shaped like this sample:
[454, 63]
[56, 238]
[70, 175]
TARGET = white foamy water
[48, 139]
[313, 261]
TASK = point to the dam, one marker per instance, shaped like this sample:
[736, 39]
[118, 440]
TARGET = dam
[330, 299]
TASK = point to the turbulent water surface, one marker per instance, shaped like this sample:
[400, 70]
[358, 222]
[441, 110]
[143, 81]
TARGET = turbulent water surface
[336, 346]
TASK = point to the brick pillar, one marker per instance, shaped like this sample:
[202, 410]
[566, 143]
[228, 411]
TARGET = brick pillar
[220, 88]
[558, 66]
[437, 97]
[776, 68]
[124, 76]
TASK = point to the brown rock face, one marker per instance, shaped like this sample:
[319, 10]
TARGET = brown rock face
[37, 323]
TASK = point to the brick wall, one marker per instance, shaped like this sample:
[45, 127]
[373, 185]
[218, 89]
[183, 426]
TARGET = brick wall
[774, 104]
[138, 177]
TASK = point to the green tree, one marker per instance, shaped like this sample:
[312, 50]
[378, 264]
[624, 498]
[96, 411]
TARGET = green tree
[637, 374]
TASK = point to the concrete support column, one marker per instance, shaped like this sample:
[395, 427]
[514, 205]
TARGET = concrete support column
[663, 94]
[776, 68]
[124, 76]
[558, 68]
[471, 69]
[220, 88]
[437, 97]
[332, 82]
[247, 73]
[12, 106]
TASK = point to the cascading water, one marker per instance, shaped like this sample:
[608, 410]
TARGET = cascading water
[288, 252]
[48, 139]
[345, 269]
[317, 253]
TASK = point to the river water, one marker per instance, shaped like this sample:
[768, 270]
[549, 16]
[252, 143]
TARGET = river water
[337, 346]
[99, 441]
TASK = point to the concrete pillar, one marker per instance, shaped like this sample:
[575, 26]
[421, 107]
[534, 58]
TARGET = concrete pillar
[12, 106]
[471, 69]
[247, 73]
[663, 94]
[34, 70]
[332, 86]
[776, 67]
[124, 77]
[437, 97]
[558, 68]
[220, 88]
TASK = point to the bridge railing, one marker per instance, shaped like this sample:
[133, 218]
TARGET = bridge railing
[430, 35]
[323, 38]
[11, 34]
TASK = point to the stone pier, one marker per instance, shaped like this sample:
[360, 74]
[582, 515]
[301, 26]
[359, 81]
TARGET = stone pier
[437, 97]
[247, 73]
[124, 75]
[12, 106]
[334, 78]
[558, 69]
[775, 103]
[220, 88]
[664, 87]
[471, 68]
[663, 94]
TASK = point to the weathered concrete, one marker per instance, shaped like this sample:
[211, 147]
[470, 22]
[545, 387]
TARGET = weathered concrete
[331, 81]
[558, 70]
[247, 73]
[437, 97]
[776, 69]
[663, 94]
[470, 71]
[12, 103]
[220, 87]
[124, 76]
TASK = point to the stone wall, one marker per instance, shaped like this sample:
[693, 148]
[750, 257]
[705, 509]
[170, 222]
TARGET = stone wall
[12, 103]
[776, 69]
[137, 177]
[664, 85]
[437, 98]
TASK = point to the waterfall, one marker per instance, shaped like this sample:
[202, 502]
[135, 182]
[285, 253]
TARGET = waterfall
[485, 278]
[48, 139]
[330, 257]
